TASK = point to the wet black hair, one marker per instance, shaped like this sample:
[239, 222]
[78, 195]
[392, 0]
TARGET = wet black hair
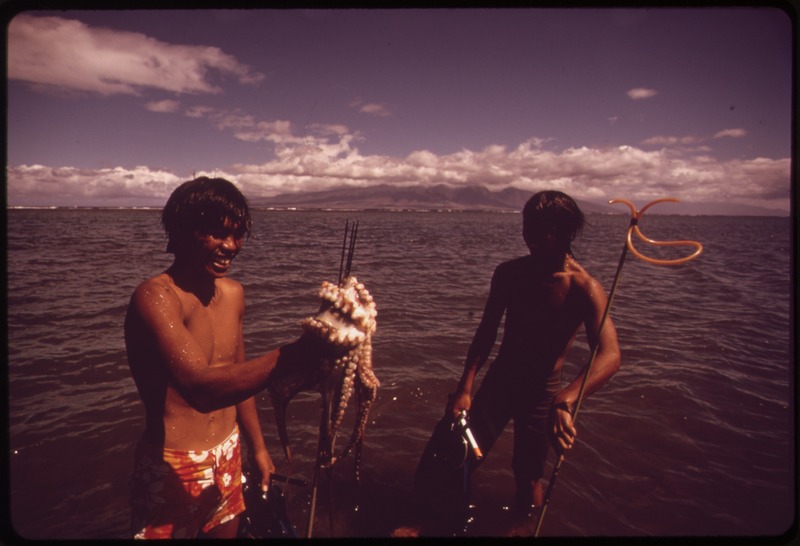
[554, 210]
[204, 204]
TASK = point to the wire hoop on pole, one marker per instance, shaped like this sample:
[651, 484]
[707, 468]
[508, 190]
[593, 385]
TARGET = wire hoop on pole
[633, 227]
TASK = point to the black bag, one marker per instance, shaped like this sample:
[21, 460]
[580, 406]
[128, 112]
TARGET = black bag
[441, 481]
[264, 516]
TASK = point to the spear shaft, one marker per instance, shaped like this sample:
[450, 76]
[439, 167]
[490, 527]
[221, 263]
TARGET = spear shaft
[551, 484]
[325, 441]
[633, 228]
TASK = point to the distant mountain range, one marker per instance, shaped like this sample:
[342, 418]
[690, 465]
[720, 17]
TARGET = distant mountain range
[386, 197]
[472, 198]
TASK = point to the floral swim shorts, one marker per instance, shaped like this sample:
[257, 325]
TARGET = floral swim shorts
[177, 494]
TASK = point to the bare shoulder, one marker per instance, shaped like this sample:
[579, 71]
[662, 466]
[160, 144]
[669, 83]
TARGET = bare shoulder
[155, 293]
[230, 297]
[231, 290]
[581, 279]
[230, 286]
[155, 287]
[514, 267]
[154, 307]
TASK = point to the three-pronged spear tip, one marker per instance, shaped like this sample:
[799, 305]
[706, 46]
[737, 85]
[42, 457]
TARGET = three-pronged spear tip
[347, 262]
[344, 246]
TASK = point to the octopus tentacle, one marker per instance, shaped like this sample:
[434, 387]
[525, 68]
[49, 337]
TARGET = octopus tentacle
[366, 392]
[366, 406]
[365, 373]
[346, 320]
[345, 389]
[284, 384]
[365, 396]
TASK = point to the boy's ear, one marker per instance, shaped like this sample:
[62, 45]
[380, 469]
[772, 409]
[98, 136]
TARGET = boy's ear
[177, 240]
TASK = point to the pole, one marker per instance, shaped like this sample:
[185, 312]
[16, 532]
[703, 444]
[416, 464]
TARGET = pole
[325, 443]
[633, 227]
[315, 480]
[551, 484]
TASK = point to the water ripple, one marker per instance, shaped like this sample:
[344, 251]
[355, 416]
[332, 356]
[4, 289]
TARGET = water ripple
[698, 424]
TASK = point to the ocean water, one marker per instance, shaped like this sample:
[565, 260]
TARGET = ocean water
[694, 436]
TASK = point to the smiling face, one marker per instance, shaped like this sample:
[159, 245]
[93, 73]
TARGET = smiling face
[206, 221]
[213, 250]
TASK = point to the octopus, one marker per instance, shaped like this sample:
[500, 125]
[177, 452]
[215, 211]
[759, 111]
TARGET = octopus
[346, 321]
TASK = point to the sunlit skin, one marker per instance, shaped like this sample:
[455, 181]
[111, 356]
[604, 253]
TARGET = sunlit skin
[186, 352]
[550, 296]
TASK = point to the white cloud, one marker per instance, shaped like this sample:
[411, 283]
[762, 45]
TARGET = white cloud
[371, 108]
[29, 184]
[198, 111]
[55, 52]
[733, 133]
[321, 156]
[672, 141]
[279, 132]
[165, 106]
[639, 93]
[331, 160]
[695, 142]
[375, 109]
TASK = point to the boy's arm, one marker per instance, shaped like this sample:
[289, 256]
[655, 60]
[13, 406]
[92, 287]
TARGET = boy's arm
[481, 346]
[247, 416]
[605, 364]
[156, 316]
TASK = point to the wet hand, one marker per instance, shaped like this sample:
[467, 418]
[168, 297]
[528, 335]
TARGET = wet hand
[320, 348]
[265, 467]
[563, 430]
[459, 401]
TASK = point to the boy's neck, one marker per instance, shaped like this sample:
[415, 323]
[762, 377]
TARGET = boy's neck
[190, 280]
[549, 263]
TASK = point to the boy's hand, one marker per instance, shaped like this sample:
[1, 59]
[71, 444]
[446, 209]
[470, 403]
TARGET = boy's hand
[265, 468]
[563, 430]
[459, 401]
[321, 348]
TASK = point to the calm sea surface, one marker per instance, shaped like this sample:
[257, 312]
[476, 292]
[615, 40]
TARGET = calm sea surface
[693, 437]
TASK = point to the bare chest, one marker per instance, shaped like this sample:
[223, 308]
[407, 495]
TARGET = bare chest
[215, 327]
[548, 306]
[552, 293]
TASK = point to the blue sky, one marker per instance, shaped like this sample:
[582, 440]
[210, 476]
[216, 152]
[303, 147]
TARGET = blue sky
[116, 108]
